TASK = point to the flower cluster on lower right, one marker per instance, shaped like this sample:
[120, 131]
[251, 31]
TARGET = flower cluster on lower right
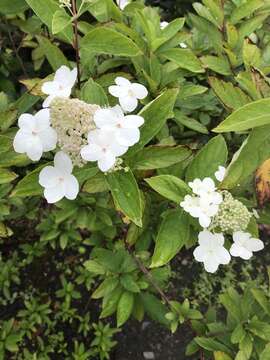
[219, 214]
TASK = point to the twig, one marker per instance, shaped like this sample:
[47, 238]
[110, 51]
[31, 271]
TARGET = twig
[76, 39]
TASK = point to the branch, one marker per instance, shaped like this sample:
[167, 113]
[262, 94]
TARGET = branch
[76, 39]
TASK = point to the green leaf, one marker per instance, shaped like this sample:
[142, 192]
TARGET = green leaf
[170, 238]
[107, 41]
[12, 7]
[105, 288]
[245, 10]
[169, 186]
[260, 297]
[212, 345]
[189, 122]
[208, 159]
[7, 176]
[185, 59]
[218, 64]
[60, 21]
[93, 93]
[11, 342]
[45, 10]
[96, 184]
[155, 115]
[157, 157]
[124, 308]
[219, 355]
[126, 194]
[94, 267]
[54, 55]
[249, 116]
[154, 308]
[265, 355]
[231, 96]
[260, 329]
[29, 185]
[129, 284]
[253, 152]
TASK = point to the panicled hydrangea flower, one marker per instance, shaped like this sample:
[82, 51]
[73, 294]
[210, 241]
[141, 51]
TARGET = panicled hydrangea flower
[61, 86]
[128, 93]
[244, 245]
[211, 251]
[35, 135]
[232, 216]
[58, 180]
[72, 119]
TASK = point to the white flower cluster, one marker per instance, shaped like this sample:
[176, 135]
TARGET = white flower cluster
[84, 132]
[224, 213]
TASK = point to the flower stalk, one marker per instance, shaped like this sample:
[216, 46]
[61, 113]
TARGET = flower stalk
[76, 39]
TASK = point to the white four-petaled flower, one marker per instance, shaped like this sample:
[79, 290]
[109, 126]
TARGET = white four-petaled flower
[61, 86]
[58, 180]
[124, 129]
[220, 174]
[35, 135]
[201, 208]
[244, 245]
[128, 93]
[102, 148]
[211, 251]
[122, 3]
[205, 204]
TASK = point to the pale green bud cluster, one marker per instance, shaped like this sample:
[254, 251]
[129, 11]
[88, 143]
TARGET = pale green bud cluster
[72, 119]
[232, 215]
[118, 166]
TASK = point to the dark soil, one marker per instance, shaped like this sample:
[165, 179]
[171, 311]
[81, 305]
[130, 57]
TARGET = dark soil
[148, 338]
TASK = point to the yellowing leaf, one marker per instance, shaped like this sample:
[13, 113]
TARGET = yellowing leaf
[263, 182]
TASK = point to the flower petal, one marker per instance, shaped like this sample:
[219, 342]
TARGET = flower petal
[48, 139]
[27, 122]
[48, 100]
[105, 117]
[199, 254]
[223, 255]
[118, 149]
[240, 251]
[91, 152]
[128, 103]
[42, 118]
[118, 91]
[48, 177]
[133, 121]
[127, 137]
[34, 148]
[139, 90]
[20, 141]
[106, 162]
[121, 81]
[50, 87]
[253, 244]
[211, 265]
[204, 220]
[54, 194]
[63, 162]
[71, 187]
